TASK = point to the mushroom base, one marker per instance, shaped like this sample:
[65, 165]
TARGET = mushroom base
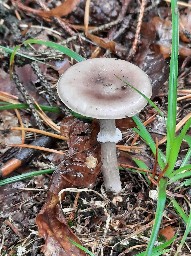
[110, 167]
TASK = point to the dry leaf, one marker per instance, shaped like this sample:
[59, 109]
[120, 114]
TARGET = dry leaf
[79, 169]
[168, 232]
[125, 123]
[62, 10]
[102, 42]
[53, 227]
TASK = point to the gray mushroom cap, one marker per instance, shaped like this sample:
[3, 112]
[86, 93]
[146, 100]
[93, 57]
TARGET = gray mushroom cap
[95, 88]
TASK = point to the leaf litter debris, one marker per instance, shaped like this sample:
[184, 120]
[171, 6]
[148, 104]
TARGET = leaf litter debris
[107, 225]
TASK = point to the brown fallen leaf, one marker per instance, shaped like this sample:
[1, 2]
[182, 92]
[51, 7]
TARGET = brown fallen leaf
[79, 169]
[125, 123]
[62, 10]
[54, 228]
[167, 232]
[102, 42]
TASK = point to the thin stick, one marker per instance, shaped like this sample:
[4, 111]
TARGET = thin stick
[178, 126]
[57, 136]
[86, 16]
[22, 126]
[128, 148]
[180, 3]
[148, 121]
[139, 23]
[38, 148]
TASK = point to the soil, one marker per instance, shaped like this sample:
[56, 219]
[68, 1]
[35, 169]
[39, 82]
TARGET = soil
[36, 218]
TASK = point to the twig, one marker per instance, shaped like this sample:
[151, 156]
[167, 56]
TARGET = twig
[139, 23]
[132, 248]
[95, 30]
[14, 228]
[21, 123]
[125, 5]
[180, 3]
[47, 119]
[75, 206]
[24, 155]
[56, 19]
[38, 148]
[124, 26]
[148, 121]
[57, 136]
[178, 126]
[137, 232]
[87, 16]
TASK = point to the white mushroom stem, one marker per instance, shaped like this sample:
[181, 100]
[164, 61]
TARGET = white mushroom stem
[109, 135]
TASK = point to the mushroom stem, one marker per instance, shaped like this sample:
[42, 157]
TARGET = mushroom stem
[109, 155]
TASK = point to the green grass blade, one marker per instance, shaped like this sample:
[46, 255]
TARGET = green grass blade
[140, 163]
[145, 135]
[57, 47]
[10, 51]
[172, 91]
[157, 253]
[173, 155]
[82, 248]
[180, 176]
[158, 216]
[184, 130]
[185, 183]
[24, 176]
[143, 166]
[25, 106]
[12, 57]
[180, 170]
[187, 157]
[186, 233]
[179, 210]
[81, 117]
[160, 249]
[151, 103]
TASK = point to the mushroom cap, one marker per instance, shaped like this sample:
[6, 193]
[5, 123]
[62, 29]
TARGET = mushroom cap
[95, 88]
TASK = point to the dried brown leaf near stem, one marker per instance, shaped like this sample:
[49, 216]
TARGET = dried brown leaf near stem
[79, 169]
[76, 169]
[125, 123]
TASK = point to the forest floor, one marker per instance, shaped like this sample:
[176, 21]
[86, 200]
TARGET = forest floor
[35, 217]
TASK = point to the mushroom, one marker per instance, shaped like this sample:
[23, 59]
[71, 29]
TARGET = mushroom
[96, 88]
